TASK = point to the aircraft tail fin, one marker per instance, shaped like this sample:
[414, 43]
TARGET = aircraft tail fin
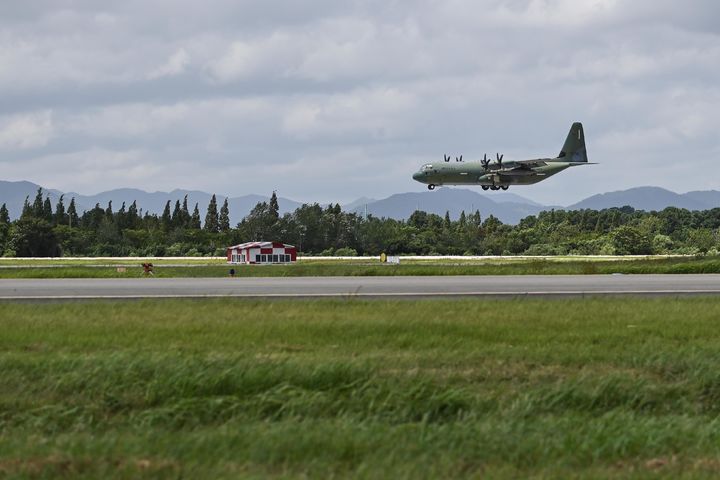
[574, 150]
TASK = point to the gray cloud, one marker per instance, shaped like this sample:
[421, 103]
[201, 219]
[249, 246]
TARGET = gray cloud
[329, 101]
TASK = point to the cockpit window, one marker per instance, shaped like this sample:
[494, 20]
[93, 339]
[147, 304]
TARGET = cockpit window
[426, 167]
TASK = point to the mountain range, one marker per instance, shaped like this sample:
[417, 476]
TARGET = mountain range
[508, 207]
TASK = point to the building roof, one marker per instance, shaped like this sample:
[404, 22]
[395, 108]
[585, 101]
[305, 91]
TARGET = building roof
[261, 245]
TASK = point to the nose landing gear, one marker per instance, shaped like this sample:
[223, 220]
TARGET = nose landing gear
[431, 187]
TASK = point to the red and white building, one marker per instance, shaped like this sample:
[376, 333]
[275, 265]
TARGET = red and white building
[252, 253]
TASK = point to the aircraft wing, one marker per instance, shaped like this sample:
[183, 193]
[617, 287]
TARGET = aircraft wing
[518, 171]
[528, 165]
[531, 163]
[520, 168]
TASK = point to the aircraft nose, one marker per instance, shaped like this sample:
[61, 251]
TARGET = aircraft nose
[417, 176]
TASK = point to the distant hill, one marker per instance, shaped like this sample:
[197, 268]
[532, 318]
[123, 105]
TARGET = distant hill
[508, 207]
[507, 197]
[708, 198]
[359, 203]
[648, 198]
[452, 200]
[13, 195]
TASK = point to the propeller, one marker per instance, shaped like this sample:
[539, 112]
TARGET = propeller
[446, 158]
[458, 159]
[485, 162]
[499, 158]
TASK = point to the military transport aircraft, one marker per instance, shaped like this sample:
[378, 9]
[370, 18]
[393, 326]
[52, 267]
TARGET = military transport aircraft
[500, 175]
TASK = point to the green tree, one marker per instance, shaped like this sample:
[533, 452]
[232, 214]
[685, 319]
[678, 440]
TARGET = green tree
[662, 244]
[121, 217]
[177, 219]
[27, 210]
[91, 219]
[628, 240]
[274, 206]
[132, 215]
[4, 215]
[107, 232]
[185, 214]
[195, 219]
[60, 215]
[224, 218]
[72, 214]
[492, 223]
[38, 204]
[211, 217]
[702, 239]
[166, 218]
[33, 237]
[4, 226]
[258, 223]
[72, 241]
[418, 219]
[47, 210]
[462, 221]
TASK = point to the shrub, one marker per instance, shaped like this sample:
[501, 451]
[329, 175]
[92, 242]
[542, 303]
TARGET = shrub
[629, 240]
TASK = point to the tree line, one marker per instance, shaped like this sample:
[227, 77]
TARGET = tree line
[43, 230]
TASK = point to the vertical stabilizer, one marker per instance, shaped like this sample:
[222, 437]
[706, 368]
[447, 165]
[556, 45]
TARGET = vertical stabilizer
[574, 149]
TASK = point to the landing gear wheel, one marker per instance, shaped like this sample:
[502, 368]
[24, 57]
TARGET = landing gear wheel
[431, 187]
[494, 187]
[485, 187]
[504, 187]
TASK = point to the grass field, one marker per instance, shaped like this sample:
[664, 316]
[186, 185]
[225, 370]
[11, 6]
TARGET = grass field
[216, 268]
[627, 388]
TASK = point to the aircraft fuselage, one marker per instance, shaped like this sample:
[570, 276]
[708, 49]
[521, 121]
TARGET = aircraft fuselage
[473, 173]
[501, 174]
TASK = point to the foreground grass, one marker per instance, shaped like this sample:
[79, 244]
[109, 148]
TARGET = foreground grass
[373, 268]
[227, 389]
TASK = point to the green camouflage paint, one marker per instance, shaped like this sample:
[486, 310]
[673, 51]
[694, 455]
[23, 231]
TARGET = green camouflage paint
[501, 174]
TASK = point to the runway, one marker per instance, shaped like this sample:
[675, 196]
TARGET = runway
[361, 287]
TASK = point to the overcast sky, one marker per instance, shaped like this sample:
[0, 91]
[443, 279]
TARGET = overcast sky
[331, 100]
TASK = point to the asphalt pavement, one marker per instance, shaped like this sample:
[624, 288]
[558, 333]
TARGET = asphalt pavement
[361, 287]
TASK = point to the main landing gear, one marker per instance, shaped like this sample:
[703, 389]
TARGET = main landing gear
[495, 187]
[431, 187]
